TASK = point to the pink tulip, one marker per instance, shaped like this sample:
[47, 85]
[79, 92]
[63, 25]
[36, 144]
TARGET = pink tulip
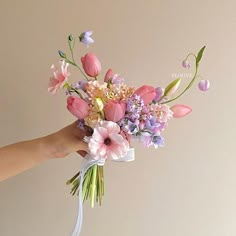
[108, 75]
[147, 93]
[114, 111]
[91, 65]
[78, 107]
[180, 110]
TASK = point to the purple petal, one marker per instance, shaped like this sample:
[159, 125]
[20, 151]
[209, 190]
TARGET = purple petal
[204, 85]
[186, 64]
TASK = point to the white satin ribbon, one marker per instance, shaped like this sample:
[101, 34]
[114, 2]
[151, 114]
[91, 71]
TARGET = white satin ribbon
[86, 164]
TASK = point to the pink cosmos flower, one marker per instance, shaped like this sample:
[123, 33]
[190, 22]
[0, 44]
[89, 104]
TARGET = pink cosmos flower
[59, 78]
[107, 142]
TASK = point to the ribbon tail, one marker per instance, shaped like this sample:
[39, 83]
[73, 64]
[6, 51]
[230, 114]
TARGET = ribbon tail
[78, 226]
[86, 164]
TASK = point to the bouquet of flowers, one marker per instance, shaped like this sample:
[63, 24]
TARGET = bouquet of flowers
[115, 114]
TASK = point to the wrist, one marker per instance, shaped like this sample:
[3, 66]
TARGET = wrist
[48, 146]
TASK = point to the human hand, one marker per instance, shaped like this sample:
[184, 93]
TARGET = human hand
[68, 140]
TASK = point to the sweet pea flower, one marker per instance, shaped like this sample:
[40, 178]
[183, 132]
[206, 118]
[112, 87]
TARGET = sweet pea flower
[113, 78]
[85, 38]
[147, 93]
[114, 111]
[180, 110]
[91, 65]
[59, 77]
[186, 64]
[159, 93]
[107, 142]
[204, 85]
[78, 107]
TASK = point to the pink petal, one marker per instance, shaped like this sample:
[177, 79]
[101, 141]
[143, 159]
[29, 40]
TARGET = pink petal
[99, 134]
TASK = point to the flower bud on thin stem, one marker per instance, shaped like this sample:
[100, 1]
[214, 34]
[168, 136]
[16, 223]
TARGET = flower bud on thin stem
[61, 54]
[70, 37]
[172, 87]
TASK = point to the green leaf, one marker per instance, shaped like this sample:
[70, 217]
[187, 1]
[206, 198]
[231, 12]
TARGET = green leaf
[199, 55]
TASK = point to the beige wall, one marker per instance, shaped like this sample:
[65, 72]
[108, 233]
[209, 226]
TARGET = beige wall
[185, 189]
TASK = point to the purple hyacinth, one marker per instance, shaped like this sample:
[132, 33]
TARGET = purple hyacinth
[128, 126]
[134, 107]
[158, 141]
[132, 128]
[152, 124]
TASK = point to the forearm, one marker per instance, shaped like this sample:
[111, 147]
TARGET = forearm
[21, 156]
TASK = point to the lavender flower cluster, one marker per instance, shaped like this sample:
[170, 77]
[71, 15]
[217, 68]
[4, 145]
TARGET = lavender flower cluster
[141, 121]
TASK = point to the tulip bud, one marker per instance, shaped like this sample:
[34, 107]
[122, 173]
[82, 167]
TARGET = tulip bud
[114, 111]
[204, 85]
[147, 93]
[70, 37]
[78, 107]
[172, 87]
[108, 76]
[91, 65]
[180, 110]
[61, 54]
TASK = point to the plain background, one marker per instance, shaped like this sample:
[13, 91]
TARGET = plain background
[188, 187]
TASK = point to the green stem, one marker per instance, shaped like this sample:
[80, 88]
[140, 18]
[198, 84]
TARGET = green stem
[74, 64]
[86, 182]
[188, 86]
[100, 184]
[76, 91]
[73, 59]
[102, 180]
[73, 178]
[93, 186]
[191, 54]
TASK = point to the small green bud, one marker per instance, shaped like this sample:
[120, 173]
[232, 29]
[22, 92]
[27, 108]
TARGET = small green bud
[70, 37]
[61, 54]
